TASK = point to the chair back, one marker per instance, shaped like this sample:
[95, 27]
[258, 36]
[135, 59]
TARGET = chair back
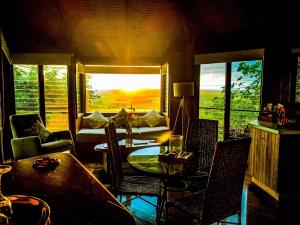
[21, 122]
[226, 178]
[115, 155]
[201, 139]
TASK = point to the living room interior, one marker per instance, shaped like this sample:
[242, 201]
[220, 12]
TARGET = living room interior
[170, 41]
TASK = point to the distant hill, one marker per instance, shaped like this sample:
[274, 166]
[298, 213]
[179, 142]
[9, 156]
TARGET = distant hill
[141, 100]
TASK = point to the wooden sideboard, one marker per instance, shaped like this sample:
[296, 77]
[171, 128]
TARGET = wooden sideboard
[274, 158]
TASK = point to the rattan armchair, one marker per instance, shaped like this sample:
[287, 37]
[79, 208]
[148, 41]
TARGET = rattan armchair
[129, 185]
[223, 193]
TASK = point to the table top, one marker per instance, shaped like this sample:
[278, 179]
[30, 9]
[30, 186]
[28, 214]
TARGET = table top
[74, 195]
[147, 160]
[136, 144]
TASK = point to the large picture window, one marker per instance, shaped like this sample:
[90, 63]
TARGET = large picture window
[111, 92]
[244, 90]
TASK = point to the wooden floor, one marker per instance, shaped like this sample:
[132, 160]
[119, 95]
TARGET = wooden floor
[257, 208]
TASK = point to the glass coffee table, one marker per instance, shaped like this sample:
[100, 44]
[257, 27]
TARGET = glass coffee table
[125, 148]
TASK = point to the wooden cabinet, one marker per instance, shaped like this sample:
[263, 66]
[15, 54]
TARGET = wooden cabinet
[273, 158]
[263, 160]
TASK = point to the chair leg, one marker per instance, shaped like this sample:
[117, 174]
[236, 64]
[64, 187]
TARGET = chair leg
[239, 219]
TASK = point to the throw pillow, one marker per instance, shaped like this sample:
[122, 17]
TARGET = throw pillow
[139, 121]
[38, 129]
[153, 118]
[120, 118]
[94, 120]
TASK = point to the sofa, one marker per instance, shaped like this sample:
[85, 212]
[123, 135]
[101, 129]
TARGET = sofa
[90, 133]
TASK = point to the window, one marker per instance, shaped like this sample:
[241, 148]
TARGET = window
[111, 92]
[244, 90]
[212, 83]
[79, 92]
[56, 97]
[45, 93]
[26, 88]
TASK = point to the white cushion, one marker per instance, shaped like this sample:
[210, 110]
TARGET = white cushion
[153, 118]
[95, 120]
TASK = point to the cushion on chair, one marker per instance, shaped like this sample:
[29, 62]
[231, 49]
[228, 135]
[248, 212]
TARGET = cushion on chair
[140, 184]
[38, 129]
[95, 120]
[63, 143]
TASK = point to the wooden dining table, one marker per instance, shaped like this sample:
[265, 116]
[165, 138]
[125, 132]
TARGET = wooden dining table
[74, 194]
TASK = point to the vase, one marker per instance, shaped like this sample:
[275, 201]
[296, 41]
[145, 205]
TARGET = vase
[129, 136]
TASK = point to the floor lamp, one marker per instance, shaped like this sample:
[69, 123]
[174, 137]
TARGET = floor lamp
[184, 89]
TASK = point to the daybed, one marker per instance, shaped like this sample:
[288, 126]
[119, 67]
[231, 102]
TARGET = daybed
[144, 126]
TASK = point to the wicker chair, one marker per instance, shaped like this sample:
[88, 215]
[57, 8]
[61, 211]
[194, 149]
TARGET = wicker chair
[129, 185]
[222, 196]
[201, 139]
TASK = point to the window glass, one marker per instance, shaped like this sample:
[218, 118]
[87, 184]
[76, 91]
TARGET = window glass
[111, 92]
[245, 94]
[56, 97]
[79, 92]
[245, 91]
[26, 88]
[212, 82]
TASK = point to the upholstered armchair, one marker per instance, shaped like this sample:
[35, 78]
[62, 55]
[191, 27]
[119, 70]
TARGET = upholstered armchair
[31, 138]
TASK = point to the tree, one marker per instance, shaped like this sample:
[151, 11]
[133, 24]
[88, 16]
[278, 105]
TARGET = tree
[244, 94]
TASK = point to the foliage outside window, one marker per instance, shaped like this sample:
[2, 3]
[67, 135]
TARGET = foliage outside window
[245, 93]
[79, 92]
[111, 92]
[56, 97]
[26, 88]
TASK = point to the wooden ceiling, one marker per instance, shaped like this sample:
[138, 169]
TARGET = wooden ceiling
[138, 31]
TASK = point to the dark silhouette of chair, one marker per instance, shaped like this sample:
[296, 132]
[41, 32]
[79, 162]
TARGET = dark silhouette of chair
[201, 139]
[31, 138]
[129, 185]
[223, 193]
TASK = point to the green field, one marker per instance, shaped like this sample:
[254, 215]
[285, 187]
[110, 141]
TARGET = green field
[238, 119]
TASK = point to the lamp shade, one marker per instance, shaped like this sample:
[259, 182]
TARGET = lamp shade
[183, 89]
